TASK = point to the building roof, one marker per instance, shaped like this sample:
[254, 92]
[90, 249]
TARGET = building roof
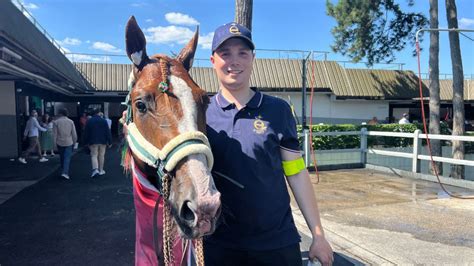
[284, 75]
[446, 89]
[39, 55]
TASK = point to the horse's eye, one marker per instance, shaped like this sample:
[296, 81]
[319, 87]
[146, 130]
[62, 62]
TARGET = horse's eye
[141, 107]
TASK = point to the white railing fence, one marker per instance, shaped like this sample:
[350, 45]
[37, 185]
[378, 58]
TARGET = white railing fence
[364, 150]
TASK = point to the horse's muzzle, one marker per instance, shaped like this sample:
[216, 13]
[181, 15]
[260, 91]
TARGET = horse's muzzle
[199, 217]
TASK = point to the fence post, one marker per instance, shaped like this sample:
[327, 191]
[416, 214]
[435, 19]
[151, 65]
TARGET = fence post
[306, 147]
[363, 146]
[415, 165]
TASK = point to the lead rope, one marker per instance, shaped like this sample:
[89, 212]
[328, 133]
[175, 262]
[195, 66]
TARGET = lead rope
[167, 222]
[199, 251]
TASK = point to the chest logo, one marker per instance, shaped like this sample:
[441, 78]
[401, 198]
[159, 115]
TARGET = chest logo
[259, 126]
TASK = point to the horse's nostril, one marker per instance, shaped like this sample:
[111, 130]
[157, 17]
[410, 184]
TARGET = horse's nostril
[187, 213]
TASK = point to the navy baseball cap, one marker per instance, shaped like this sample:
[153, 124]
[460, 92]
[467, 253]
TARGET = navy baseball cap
[231, 30]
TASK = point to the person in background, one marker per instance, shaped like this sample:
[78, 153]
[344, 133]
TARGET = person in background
[404, 120]
[109, 122]
[97, 135]
[46, 137]
[373, 121]
[65, 137]
[82, 125]
[31, 132]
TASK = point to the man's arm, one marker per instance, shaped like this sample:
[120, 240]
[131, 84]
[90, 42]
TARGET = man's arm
[303, 191]
[37, 125]
[55, 133]
[74, 133]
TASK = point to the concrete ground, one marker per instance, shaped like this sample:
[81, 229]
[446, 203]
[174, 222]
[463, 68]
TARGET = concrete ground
[369, 217]
[378, 218]
[82, 221]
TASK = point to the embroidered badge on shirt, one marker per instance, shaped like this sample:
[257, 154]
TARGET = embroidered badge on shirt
[259, 126]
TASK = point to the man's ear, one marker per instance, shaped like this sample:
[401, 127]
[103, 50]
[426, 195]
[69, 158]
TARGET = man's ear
[212, 59]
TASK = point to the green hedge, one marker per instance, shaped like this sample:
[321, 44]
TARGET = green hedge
[350, 142]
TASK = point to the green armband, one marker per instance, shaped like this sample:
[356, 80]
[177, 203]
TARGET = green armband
[293, 167]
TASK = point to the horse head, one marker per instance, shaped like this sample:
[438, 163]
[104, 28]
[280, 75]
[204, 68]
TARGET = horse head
[168, 112]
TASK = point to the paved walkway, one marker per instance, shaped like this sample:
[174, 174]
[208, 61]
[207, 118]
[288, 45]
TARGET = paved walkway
[82, 221]
[369, 217]
[377, 218]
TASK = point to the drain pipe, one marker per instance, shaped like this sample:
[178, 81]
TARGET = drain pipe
[42, 81]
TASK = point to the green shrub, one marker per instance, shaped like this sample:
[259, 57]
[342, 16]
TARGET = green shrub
[353, 141]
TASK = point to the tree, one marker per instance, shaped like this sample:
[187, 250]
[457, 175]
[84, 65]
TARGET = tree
[243, 13]
[434, 85]
[457, 171]
[372, 29]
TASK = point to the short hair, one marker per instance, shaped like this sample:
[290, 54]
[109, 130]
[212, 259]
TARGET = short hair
[95, 111]
[63, 112]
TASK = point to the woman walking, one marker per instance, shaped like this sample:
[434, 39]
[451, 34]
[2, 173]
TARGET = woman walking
[46, 137]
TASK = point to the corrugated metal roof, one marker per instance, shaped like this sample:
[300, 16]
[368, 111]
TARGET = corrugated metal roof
[446, 89]
[285, 74]
[206, 78]
[106, 77]
[387, 84]
[19, 31]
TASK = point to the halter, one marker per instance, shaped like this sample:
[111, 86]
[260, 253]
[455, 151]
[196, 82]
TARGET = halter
[166, 159]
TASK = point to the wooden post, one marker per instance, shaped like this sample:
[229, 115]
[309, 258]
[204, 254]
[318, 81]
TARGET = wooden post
[363, 146]
[415, 166]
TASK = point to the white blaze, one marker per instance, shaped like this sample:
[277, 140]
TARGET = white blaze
[197, 163]
[188, 105]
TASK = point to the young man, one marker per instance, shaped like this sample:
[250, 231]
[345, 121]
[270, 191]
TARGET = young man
[32, 132]
[254, 142]
[97, 135]
[65, 137]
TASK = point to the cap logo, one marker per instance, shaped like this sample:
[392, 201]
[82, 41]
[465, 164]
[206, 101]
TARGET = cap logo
[234, 30]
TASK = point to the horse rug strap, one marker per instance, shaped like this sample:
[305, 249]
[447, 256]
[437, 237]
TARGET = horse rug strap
[166, 159]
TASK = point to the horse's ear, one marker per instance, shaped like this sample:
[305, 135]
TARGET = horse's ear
[186, 56]
[136, 43]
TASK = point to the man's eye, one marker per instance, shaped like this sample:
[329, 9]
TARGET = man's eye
[141, 107]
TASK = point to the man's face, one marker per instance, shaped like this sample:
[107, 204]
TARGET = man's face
[232, 62]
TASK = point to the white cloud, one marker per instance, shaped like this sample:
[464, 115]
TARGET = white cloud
[88, 58]
[70, 41]
[466, 23]
[205, 41]
[149, 20]
[169, 35]
[181, 19]
[105, 47]
[172, 35]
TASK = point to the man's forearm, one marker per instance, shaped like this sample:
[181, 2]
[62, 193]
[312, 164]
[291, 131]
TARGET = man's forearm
[304, 194]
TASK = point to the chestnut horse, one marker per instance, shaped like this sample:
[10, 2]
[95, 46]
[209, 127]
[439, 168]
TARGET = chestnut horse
[169, 155]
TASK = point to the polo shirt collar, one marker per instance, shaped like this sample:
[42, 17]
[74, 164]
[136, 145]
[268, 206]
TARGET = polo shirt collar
[254, 102]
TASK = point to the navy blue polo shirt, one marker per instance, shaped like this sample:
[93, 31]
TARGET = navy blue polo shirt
[246, 146]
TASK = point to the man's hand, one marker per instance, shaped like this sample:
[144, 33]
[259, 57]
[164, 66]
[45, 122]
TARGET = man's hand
[321, 250]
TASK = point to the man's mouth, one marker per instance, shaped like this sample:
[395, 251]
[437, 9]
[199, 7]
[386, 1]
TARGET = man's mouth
[234, 71]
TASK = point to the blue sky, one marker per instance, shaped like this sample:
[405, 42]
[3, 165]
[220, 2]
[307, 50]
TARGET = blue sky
[97, 27]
